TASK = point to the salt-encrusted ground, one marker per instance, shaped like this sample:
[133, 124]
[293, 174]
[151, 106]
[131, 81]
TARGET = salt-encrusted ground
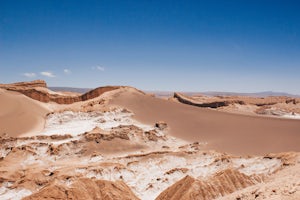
[143, 156]
[74, 123]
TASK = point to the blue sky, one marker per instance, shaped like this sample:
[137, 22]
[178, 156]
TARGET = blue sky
[241, 46]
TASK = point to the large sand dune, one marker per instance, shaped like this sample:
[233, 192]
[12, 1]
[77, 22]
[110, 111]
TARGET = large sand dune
[240, 134]
[20, 114]
[98, 147]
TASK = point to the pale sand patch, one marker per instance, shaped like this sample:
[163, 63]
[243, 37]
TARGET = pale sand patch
[75, 123]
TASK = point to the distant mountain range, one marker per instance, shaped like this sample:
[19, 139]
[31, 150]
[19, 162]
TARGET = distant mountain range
[215, 93]
[170, 93]
[256, 94]
[70, 89]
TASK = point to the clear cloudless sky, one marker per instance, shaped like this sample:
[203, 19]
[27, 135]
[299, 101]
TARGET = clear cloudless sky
[213, 45]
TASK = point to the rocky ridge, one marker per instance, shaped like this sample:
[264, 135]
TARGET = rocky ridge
[89, 190]
[271, 106]
[220, 184]
[38, 90]
[214, 104]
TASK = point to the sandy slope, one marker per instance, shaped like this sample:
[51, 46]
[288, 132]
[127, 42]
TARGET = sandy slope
[20, 114]
[239, 134]
[122, 158]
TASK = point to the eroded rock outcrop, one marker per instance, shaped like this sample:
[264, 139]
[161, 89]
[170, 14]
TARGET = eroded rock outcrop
[220, 184]
[281, 106]
[215, 104]
[38, 90]
[161, 125]
[30, 84]
[97, 135]
[85, 189]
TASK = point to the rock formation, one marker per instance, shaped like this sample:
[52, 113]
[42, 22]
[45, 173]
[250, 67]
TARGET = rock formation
[85, 189]
[215, 104]
[272, 105]
[38, 90]
[221, 184]
[161, 125]
[31, 84]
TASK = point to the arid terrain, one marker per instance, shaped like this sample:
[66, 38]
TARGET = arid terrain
[281, 106]
[117, 142]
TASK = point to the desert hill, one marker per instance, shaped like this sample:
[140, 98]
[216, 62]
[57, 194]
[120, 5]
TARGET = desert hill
[282, 106]
[120, 143]
[191, 188]
[70, 89]
[38, 90]
[223, 131]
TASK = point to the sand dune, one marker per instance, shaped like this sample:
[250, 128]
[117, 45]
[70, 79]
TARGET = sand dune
[234, 133]
[98, 147]
[239, 134]
[20, 114]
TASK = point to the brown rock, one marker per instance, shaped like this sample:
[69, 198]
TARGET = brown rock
[98, 134]
[183, 170]
[85, 189]
[161, 125]
[222, 183]
[214, 104]
[151, 135]
[32, 90]
[36, 83]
